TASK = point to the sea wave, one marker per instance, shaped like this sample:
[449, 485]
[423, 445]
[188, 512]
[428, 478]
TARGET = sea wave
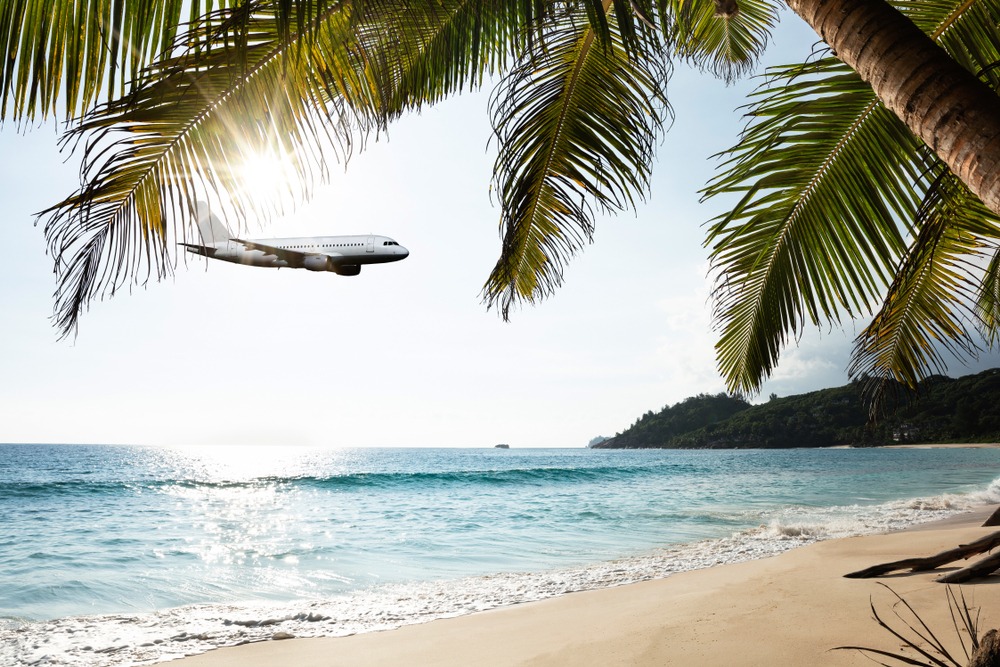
[503, 477]
[347, 481]
[137, 639]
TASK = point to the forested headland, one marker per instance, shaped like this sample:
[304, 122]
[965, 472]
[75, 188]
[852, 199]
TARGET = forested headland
[944, 410]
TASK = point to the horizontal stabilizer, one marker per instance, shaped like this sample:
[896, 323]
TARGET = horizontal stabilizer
[200, 249]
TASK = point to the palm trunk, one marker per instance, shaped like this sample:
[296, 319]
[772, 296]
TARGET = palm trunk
[945, 105]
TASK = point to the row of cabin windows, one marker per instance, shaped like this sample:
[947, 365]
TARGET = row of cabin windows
[336, 245]
[325, 245]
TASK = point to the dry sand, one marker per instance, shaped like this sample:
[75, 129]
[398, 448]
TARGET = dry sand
[790, 609]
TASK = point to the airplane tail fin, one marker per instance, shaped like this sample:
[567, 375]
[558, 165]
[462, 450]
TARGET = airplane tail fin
[212, 229]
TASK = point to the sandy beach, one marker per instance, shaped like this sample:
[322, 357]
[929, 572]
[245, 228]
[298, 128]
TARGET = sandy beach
[971, 445]
[790, 609]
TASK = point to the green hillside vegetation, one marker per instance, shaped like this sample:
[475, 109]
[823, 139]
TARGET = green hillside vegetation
[944, 410]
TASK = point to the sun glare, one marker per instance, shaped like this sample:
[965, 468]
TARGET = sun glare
[267, 174]
[227, 463]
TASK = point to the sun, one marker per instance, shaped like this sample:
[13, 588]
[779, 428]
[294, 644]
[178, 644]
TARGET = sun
[267, 175]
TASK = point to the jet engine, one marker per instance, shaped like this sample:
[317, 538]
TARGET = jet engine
[318, 263]
[348, 269]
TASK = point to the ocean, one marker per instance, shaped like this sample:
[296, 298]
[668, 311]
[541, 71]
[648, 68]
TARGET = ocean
[114, 555]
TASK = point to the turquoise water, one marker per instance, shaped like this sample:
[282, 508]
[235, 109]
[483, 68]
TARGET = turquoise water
[232, 544]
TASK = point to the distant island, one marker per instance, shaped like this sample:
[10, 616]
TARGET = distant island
[501, 446]
[944, 410]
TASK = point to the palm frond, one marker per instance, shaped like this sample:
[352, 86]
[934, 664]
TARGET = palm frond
[928, 307]
[72, 52]
[917, 636]
[824, 173]
[728, 46]
[988, 300]
[428, 51]
[968, 31]
[612, 21]
[185, 133]
[826, 235]
[425, 52]
[576, 124]
[252, 80]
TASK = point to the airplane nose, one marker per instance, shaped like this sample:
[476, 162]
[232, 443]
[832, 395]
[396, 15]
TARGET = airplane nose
[403, 251]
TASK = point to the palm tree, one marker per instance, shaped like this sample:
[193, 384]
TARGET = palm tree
[580, 104]
[843, 206]
[578, 110]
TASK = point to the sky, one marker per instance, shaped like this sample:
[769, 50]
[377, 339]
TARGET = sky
[405, 354]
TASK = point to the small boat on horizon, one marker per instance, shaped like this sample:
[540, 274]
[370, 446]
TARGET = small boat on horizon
[501, 446]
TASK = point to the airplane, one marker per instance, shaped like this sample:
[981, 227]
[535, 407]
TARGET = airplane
[343, 255]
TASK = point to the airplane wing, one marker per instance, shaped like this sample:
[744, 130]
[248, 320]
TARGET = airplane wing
[293, 257]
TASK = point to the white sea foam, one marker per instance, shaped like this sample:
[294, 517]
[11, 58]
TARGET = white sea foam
[138, 639]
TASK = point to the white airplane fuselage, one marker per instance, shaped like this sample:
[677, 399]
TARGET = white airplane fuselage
[340, 254]
[344, 255]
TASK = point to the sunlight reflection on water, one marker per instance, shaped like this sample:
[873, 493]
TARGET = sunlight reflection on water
[130, 528]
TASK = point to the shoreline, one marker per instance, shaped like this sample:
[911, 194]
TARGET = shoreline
[693, 511]
[943, 445]
[786, 609]
[969, 445]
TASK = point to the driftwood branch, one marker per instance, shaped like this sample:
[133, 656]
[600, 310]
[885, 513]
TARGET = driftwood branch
[981, 568]
[994, 519]
[961, 552]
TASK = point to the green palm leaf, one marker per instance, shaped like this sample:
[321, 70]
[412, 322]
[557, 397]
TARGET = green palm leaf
[988, 301]
[807, 247]
[728, 46]
[425, 52]
[576, 125]
[824, 173]
[66, 51]
[929, 305]
[968, 31]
